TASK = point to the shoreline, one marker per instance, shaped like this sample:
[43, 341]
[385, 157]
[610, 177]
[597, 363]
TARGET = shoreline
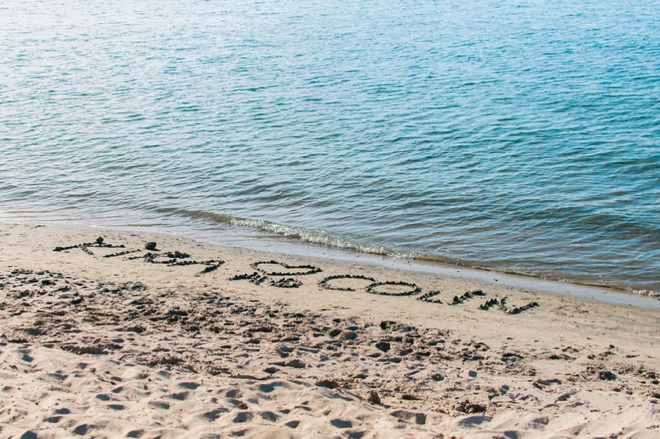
[285, 246]
[99, 340]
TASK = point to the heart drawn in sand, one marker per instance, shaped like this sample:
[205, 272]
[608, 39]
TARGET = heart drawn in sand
[302, 270]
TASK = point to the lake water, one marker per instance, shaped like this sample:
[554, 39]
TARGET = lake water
[517, 135]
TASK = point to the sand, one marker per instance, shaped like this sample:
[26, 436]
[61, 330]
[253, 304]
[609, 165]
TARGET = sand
[227, 342]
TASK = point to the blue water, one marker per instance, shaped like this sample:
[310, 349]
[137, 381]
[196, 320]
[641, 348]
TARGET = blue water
[516, 135]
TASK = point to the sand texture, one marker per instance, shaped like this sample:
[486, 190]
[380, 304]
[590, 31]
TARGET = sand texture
[191, 340]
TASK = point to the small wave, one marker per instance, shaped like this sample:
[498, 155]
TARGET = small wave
[306, 235]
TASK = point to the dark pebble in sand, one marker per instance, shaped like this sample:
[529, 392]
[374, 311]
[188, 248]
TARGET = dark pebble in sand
[99, 240]
[150, 245]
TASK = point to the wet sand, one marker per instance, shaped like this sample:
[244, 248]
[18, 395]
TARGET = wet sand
[191, 340]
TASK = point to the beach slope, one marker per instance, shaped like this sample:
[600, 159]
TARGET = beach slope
[102, 338]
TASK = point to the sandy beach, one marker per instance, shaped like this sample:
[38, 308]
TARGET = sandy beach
[103, 338]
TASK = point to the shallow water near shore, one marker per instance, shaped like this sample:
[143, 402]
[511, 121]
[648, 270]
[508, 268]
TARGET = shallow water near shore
[513, 136]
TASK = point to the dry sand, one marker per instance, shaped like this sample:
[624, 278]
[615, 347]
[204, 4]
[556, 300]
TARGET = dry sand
[128, 346]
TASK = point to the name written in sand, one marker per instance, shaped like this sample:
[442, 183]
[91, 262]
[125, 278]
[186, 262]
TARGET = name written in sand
[281, 275]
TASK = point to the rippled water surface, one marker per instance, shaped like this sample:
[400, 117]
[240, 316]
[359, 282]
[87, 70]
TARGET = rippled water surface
[517, 135]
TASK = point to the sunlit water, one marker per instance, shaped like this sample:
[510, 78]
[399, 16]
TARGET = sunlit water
[517, 135]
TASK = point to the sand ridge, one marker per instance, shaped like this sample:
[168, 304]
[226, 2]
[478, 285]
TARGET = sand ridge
[128, 346]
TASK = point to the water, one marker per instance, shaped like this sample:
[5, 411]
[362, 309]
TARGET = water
[517, 135]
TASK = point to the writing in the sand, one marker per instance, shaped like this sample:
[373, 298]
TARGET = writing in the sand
[282, 275]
